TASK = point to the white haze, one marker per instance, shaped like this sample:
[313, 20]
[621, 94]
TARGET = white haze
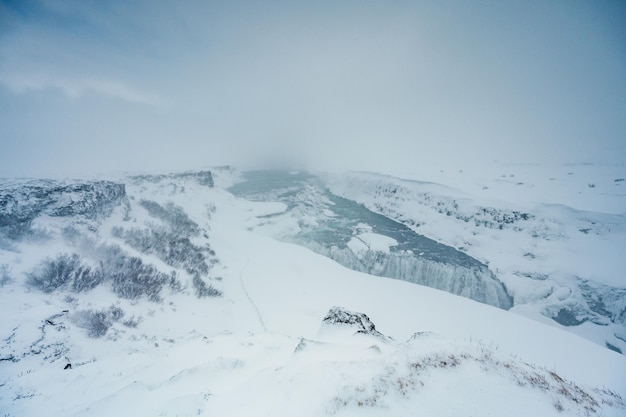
[87, 86]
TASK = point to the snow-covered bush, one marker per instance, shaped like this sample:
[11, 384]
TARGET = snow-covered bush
[132, 322]
[5, 274]
[130, 277]
[135, 279]
[175, 285]
[173, 216]
[171, 242]
[15, 230]
[204, 290]
[64, 270]
[116, 313]
[175, 250]
[98, 323]
[86, 278]
[379, 386]
[54, 273]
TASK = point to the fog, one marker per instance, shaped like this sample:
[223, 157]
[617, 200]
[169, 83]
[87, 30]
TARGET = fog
[89, 86]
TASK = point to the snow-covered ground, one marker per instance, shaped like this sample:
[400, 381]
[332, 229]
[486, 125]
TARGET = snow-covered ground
[262, 347]
[553, 234]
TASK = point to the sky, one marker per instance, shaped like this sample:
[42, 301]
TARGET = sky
[88, 86]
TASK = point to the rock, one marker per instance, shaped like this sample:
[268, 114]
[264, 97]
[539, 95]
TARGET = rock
[340, 317]
[201, 177]
[22, 201]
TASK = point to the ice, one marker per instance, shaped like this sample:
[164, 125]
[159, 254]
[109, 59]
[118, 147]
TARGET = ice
[476, 283]
[368, 241]
[365, 241]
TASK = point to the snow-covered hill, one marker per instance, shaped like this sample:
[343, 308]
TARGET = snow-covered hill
[171, 296]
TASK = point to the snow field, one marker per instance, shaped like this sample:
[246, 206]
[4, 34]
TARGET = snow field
[545, 256]
[261, 348]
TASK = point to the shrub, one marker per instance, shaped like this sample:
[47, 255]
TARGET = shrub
[204, 290]
[117, 231]
[14, 229]
[135, 279]
[132, 322]
[116, 313]
[112, 258]
[175, 285]
[5, 274]
[85, 278]
[171, 242]
[64, 270]
[173, 216]
[172, 248]
[130, 277]
[97, 323]
[54, 273]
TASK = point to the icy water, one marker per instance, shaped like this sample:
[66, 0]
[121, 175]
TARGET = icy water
[329, 222]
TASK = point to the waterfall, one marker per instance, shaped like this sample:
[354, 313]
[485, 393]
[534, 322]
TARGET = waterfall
[333, 222]
[476, 282]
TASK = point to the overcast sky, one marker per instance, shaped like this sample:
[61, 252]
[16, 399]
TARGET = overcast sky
[90, 86]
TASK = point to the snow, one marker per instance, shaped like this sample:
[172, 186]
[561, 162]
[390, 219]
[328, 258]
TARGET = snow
[564, 252]
[594, 187]
[369, 241]
[260, 349]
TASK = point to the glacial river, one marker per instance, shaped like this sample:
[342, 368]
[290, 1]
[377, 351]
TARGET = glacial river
[415, 258]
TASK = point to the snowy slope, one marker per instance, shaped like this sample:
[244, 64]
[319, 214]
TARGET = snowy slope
[258, 346]
[562, 265]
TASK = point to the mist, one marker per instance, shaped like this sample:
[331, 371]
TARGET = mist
[87, 87]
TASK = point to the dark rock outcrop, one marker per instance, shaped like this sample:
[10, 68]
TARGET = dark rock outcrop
[339, 316]
[23, 201]
[201, 177]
